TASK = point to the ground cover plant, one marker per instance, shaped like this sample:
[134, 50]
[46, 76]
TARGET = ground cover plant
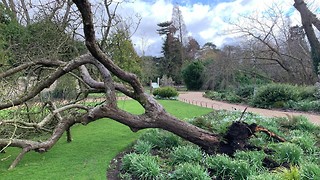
[94, 146]
[170, 157]
[273, 95]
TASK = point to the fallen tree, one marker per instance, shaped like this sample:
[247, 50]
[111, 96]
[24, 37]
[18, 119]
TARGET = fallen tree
[154, 116]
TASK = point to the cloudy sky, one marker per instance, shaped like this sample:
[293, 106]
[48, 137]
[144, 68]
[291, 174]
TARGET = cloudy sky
[206, 20]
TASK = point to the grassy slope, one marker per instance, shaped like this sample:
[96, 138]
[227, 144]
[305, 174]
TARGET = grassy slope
[88, 156]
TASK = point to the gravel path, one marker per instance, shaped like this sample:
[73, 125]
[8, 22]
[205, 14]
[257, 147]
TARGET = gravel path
[197, 99]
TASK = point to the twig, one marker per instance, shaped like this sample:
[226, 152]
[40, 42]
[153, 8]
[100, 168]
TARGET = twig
[244, 111]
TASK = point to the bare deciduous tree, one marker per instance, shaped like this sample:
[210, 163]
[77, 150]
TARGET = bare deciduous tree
[272, 43]
[308, 19]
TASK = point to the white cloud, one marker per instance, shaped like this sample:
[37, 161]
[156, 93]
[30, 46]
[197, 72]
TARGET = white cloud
[206, 22]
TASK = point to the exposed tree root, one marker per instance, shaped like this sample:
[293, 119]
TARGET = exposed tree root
[238, 135]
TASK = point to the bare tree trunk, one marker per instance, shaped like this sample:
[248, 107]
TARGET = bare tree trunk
[25, 12]
[308, 18]
[13, 8]
[155, 115]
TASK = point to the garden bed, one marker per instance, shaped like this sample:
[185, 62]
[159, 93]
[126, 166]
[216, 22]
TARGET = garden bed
[162, 155]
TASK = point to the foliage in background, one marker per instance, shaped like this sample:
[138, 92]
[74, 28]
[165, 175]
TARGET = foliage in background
[285, 96]
[66, 88]
[274, 95]
[173, 52]
[192, 75]
[165, 92]
[41, 39]
[121, 50]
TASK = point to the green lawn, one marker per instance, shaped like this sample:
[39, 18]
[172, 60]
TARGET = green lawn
[88, 156]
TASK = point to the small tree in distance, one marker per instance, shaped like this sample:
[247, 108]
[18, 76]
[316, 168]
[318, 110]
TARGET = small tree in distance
[192, 75]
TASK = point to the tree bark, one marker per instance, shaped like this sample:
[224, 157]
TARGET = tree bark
[308, 19]
[155, 116]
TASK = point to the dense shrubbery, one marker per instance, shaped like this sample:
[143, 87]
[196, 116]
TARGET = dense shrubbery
[274, 95]
[162, 155]
[285, 96]
[165, 93]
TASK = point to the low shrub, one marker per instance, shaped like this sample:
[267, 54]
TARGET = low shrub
[224, 167]
[245, 92]
[307, 92]
[287, 153]
[304, 105]
[272, 95]
[189, 171]
[142, 147]
[183, 154]
[232, 97]
[161, 139]
[298, 123]
[213, 122]
[290, 174]
[165, 92]
[213, 95]
[310, 171]
[305, 140]
[141, 166]
[254, 158]
[228, 96]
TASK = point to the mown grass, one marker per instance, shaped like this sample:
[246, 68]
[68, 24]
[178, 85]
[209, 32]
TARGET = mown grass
[93, 146]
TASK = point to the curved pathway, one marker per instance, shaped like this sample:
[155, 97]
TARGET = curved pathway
[197, 99]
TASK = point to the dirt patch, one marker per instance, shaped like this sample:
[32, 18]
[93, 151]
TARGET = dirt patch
[115, 166]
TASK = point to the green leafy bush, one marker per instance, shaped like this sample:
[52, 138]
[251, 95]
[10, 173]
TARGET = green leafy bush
[254, 158]
[290, 174]
[287, 152]
[214, 95]
[189, 171]
[307, 92]
[161, 139]
[192, 75]
[245, 92]
[142, 147]
[224, 167]
[141, 166]
[304, 105]
[182, 154]
[217, 126]
[274, 95]
[229, 96]
[298, 123]
[310, 171]
[304, 139]
[165, 92]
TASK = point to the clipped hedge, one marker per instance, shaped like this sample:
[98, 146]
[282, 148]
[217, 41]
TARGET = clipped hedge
[165, 92]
